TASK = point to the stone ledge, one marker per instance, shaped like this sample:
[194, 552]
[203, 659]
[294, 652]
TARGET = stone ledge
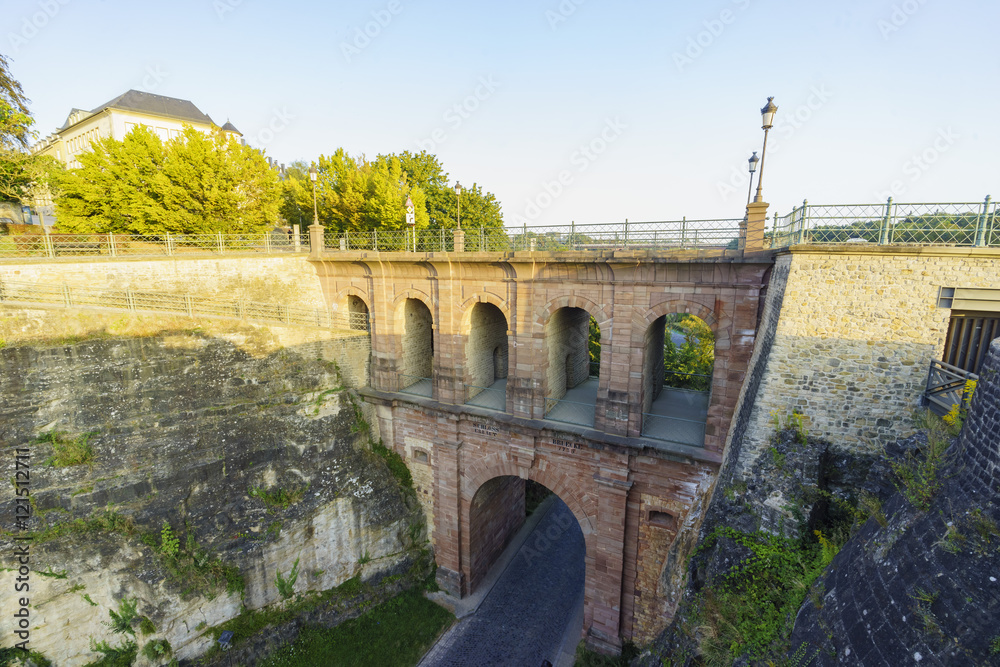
[905, 250]
[622, 444]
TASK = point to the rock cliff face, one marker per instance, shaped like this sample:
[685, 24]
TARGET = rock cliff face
[250, 455]
[924, 588]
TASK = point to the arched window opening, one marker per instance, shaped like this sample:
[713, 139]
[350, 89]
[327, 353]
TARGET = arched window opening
[677, 378]
[573, 341]
[417, 363]
[486, 358]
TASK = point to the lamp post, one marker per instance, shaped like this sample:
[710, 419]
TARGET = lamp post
[312, 177]
[753, 167]
[458, 193]
[767, 122]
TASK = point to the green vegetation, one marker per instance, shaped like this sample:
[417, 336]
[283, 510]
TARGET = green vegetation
[67, 451]
[122, 655]
[751, 610]
[397, 466]
[594, 347]
[141, 185]
[121, 620]
[86, 597]
[923, 600]
[956, 416]
[995, 646]
[396, 632]
[11, 657]
[690, 365]
[279, 497]
[918, 475]
[49, 572]
[157, 649]
[146, 626]
[940, 227]
[170, 544]
[286, 587]
[587, 658]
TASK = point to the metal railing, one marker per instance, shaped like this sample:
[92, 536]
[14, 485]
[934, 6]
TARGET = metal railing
[699, 382]
[570, 412]
[945, 386]
[974, 224]
[673, 429]
[416, 385]
[486, 397]
[181, 304]
[47, 246]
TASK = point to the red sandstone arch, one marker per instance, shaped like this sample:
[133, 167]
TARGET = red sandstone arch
[482, 297]
[352, 290]
[401, 298]
[543, 314]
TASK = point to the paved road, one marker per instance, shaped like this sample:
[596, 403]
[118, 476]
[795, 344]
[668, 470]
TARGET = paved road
[524, 617]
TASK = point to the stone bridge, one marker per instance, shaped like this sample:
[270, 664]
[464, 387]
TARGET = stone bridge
[481, 378]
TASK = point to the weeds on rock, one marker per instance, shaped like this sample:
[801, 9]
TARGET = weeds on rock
[279, 497]
[917, 476]
[286, 587]
[67, 451]
[795, 421]
[995, 646]
[956, 416]
[923, 600]
[157, 649]
[397, 466]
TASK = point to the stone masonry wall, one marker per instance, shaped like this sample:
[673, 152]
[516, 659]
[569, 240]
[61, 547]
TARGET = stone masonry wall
[488, 331]
[566, 336]
[417, 340]
[497, 512]
[857, 331]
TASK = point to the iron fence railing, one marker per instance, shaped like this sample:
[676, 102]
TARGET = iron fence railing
[974, 224]
[945, 386]
[162, 245]
[416, 385]
[181, 304]
[486, 397]
[674, 429]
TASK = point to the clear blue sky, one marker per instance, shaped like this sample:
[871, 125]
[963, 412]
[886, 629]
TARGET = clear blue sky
[873, 95]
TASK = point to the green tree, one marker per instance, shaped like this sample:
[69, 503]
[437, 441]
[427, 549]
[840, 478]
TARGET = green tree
[20, 171]
[193, 184]
[479, 209]
[688, 365]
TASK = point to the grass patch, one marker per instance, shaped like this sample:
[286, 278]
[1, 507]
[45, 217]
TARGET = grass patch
[396, 632]
[750, 611]
[283, 498]
[397, 466]
[918, 475]
[67, 451]
[587, 658]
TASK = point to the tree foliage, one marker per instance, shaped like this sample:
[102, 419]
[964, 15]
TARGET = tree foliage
[20, 172]
[354, 193]
[193, 184]
[689, 365]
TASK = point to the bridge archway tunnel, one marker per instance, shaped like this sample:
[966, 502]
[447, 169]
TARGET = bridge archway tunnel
[679, 358]
[358, 313]
[571, 388]
[416, 361]
[486, 357]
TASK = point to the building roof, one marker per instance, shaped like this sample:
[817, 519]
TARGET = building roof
[229, 127]
[160, 105]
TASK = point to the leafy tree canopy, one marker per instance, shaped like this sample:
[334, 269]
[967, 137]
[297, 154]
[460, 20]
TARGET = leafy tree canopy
[20, 171]
[688, 365]
[193, 184]
[359, 194]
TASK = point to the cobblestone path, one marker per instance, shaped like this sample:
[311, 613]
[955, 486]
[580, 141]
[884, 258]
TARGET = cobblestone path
[522, 620]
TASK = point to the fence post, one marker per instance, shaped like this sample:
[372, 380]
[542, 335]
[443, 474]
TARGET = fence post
[220, 242]
[984, 220]
[130, 299]
[572, 233]
[170, 245]
[47, 242]
[296, 240]
[802, 221]
[111, 245]
[187, 305]
[482, 239]
[267, 242]
[883, 237]
[626, 232]
[67, 298]
[374, 240]
[684, 229]
[524, 236]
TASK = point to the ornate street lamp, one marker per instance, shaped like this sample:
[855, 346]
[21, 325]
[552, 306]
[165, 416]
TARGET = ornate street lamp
[458, 193]
[312, 177]
[753, 167]
[767, 122]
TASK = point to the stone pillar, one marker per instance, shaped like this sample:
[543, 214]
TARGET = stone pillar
[459, 240]
[752, 228]
[603, 635]
[448, 517]
[316, 240]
